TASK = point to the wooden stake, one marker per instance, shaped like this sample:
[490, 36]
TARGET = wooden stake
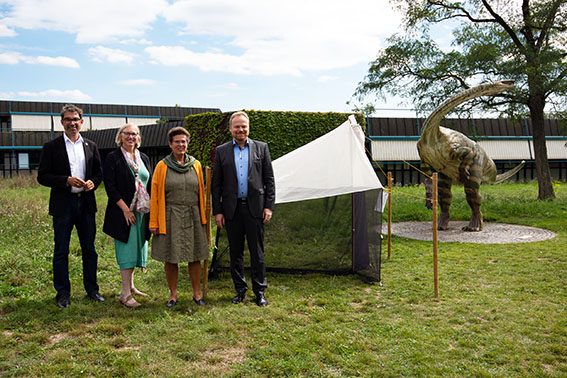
[389, 214]
[435, 262]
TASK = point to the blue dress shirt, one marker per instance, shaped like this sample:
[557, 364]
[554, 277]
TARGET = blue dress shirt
[241, 162]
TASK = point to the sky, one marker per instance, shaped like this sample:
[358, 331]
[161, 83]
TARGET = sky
[298, 55]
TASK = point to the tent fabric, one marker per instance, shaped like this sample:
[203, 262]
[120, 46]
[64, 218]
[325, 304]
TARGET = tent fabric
[333, 164]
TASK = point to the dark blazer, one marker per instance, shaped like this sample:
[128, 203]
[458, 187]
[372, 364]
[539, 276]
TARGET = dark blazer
[54, 170]
[119, 183]
[261, 185]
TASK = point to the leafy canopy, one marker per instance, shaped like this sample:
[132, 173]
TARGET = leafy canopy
[491, 40]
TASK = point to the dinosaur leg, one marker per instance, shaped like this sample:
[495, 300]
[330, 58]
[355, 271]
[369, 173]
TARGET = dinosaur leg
[428, 185]
[445, 199]
[474, 199]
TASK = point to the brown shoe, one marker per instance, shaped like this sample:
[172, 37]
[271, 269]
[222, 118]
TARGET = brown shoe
[129, 301]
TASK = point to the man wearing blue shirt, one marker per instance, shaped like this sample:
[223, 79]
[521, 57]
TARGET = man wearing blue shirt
[243, 192]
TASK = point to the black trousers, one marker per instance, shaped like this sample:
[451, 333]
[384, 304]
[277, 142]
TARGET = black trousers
[243, 224]
[78, 216]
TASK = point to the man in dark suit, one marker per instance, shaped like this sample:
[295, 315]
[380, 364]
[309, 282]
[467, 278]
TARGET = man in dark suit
[71, 167]
[244, 193]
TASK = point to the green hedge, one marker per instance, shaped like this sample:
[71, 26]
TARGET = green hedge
[283, 131]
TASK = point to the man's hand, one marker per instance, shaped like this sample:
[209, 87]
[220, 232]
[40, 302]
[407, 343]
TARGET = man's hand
[76, 182]
[88, 185]
[219, 220]
[267, 215]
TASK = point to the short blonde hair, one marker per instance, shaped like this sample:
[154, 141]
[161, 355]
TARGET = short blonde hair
[118, 138]
[239, 113]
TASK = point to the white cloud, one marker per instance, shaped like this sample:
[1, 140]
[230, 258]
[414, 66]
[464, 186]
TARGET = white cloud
[326, 78]
[70, 95]
[105, 54]
[211, 61]
[134, 41]
[6, 95]
[61, 61]
[13, 57]
[91, 21]
[138, 82]
[6, 32]
[260, 37]
[278, 38]
[10, 57]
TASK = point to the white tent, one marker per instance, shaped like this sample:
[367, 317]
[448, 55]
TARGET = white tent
[333, 164]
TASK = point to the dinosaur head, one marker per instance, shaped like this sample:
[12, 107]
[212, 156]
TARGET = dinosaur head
[499, 86]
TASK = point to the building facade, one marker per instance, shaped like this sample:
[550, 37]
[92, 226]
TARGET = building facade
[26, 126]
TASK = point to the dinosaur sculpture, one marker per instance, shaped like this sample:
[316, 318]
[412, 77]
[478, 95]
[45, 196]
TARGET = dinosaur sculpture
[457, 158]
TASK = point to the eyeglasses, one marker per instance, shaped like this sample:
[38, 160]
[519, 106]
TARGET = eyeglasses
[130, 134]
[69, 120]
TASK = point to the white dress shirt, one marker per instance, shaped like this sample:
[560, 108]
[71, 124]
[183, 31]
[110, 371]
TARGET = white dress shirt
[77, 162]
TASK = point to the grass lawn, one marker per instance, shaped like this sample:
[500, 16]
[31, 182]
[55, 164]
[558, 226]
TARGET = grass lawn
[502, 310]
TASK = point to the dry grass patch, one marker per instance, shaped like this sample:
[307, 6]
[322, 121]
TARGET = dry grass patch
[54, 339]
[220, 360]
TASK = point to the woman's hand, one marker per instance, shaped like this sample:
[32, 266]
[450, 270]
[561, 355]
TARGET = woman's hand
[130, 217]
[154, 231]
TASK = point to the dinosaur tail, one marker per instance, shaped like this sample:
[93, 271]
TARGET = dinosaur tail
[506, 175]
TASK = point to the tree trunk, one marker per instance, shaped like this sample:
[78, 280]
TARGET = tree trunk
[536, 105]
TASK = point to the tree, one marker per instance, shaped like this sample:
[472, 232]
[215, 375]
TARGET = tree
[523, 40]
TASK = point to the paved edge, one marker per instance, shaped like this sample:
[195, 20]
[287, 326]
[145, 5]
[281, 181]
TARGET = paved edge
[492, 233]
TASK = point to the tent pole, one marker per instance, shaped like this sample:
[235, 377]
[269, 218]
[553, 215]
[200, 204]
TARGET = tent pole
[353, 234]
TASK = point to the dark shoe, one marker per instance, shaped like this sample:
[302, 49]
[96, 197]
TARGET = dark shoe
[239, 297]
[199, 302]
[261, 300]
[63, 300]
[171, 303]
[96, 297]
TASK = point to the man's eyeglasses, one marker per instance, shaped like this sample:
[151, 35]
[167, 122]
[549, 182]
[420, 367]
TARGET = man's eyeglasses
[69, 120]
[130, 134]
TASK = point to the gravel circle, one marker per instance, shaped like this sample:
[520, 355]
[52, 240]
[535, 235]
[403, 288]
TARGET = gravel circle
[492, 233]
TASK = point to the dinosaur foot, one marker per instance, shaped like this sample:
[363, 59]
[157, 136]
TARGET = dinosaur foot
[474, 225]
[443, 222]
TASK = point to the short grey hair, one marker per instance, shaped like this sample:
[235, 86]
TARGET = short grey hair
[71, 108]
[178, 130]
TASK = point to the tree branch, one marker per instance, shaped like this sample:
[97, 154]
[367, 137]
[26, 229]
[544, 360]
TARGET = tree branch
[555, 82]
[505, 26]
[465, 13]
[548, 24]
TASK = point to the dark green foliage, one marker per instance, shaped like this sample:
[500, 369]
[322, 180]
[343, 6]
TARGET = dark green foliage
[208, 130]
[283, 131]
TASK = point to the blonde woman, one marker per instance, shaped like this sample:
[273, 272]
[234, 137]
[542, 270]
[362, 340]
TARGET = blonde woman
[127, 180]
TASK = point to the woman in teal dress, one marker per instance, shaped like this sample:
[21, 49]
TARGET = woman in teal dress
[127, 180]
